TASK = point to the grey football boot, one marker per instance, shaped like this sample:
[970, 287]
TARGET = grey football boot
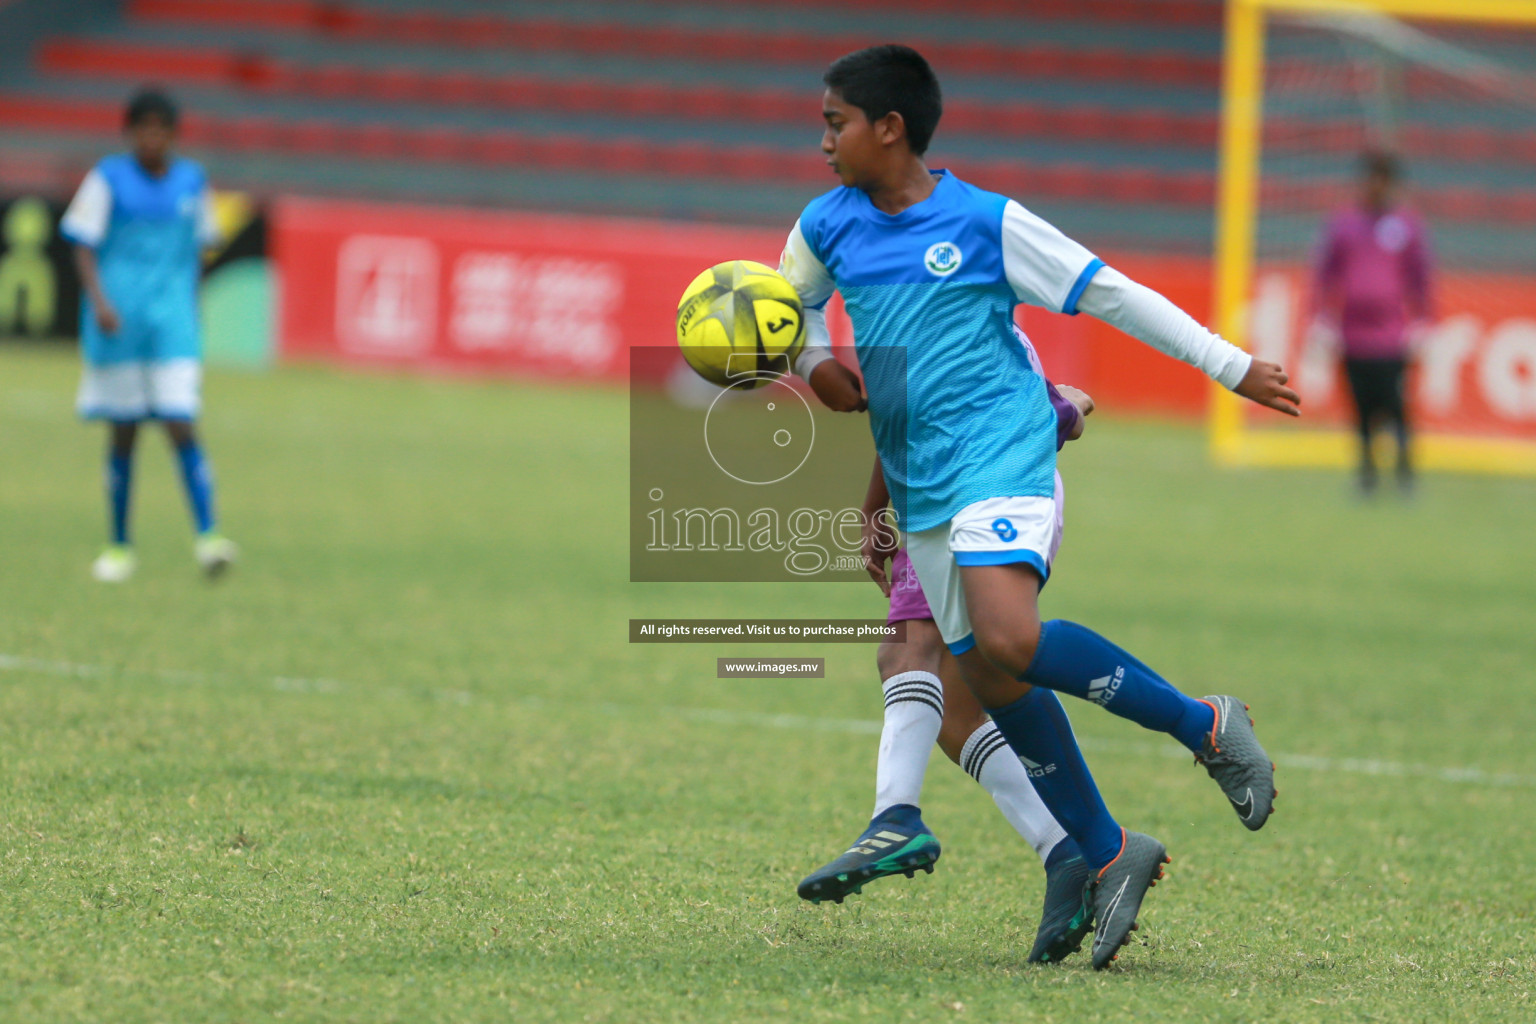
[1117, 891]
[1068, 914]
[1233, 758]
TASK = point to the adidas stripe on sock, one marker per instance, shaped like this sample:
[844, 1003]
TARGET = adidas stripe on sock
[1005, 778]
[1074, 659]
[1038, 731]
[914, 710]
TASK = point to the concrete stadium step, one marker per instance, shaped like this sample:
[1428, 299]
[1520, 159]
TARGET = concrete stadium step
[804, 79]
[796, 140]
[1022, 59]
[618, 156]
[375, 80]
[536, 145]
[1033, 123]
[50, 163]
[54, 164]
[1155, 14]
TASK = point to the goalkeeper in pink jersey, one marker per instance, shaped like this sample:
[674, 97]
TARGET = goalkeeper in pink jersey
[1373, 292]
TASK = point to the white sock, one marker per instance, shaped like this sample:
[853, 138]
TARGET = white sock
[914, 710]
[1004, 776]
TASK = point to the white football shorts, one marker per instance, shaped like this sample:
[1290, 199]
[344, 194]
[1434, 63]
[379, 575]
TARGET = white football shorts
[997, 531]
[166, 390]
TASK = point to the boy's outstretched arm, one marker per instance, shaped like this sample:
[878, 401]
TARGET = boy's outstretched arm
[1265, 383]
[1048, 269]
[1153, 320]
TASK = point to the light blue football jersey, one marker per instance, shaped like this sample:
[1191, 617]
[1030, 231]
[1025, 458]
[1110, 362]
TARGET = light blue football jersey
[148, 233]
[958, 411]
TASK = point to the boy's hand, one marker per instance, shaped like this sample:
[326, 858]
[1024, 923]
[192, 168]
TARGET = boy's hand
[1084, 403]
[1264, 383]
[1077, 396]
[879, 547]
[107, 319]
[838, 387]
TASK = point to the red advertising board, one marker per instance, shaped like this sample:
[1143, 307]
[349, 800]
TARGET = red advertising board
[563, 296]
[486, 291]
[1473, 369]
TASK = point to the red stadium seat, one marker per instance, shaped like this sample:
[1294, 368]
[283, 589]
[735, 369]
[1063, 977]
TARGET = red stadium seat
[261, 73]
[747, 163]
[579, 97]
[498, 148]
[967, 116]
[560, 151]
[254, 133]
[398, 82]
[686, 160]
[519, 93]
[604, 38]
[646, 99]
[373, 140]
[456, 88]
[1518, 208]
[314, 137]
[334, 80]
[439, 144]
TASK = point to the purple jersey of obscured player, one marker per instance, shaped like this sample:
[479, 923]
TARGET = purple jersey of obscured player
[1068, 415]
[1373, 279]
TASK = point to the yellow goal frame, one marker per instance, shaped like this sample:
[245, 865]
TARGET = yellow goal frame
[1242, 117]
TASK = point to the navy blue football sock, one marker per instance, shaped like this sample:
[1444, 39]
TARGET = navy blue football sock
[1061, 852]
[1037, 729]
[198, 480]
[1074, 659]
[899, 814]
[119, 486]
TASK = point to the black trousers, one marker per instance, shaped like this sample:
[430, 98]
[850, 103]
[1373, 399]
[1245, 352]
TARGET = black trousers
[1377, 387]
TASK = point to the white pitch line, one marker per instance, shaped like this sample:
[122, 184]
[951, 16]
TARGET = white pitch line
[763, 720]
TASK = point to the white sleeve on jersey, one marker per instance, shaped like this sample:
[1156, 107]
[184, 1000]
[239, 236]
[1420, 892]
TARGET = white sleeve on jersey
[813, 283]
[1044, 266]
[208, 233]
[1153, 320]
[90, 212]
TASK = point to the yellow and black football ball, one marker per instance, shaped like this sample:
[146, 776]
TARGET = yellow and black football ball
[740, 324]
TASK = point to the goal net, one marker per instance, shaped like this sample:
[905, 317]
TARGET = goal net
[1449, 89]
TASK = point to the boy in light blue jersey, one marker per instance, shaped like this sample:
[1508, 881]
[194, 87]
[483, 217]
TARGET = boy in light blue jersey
[139, 223]
[930, 269]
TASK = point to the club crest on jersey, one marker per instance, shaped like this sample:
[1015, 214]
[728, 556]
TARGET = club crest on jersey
[942, 259]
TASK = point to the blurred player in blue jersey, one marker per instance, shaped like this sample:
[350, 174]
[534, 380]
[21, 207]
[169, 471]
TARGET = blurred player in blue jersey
[930, 270]
[139, 224]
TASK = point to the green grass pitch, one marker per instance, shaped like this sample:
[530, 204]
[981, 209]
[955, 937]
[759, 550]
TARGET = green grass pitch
[403, 766]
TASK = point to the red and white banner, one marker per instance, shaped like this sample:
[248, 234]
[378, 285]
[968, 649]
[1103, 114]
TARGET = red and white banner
[564, 296]
[486, 291]
[1473, 371]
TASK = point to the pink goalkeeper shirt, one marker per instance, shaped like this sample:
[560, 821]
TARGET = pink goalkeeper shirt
[1373, 280]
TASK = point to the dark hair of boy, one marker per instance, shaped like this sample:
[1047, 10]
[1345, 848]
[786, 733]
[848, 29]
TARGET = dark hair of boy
[888, 79]
[150, 103]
